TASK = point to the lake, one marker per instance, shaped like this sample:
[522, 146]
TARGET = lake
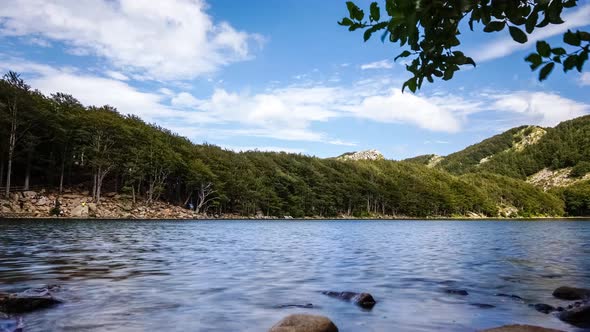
[235, 275]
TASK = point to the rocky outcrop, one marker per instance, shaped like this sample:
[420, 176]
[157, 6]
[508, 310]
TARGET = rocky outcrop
[528, 136]
[42, 204]
[363, 300]
[435, 160]
[571, 293]
[304, 323]
[520, 328]
[362, 155]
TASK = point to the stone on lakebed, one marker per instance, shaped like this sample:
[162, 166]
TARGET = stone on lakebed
[304, 323]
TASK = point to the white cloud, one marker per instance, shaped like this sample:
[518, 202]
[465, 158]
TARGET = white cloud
[383, 64]
[184, 99]
[292, 113]
[164, 39]
[505, 46]
[398, 107]
[584, 79]
[116, 75]
[540, 108]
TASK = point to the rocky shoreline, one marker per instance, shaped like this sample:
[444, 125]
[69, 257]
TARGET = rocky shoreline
[80, 205]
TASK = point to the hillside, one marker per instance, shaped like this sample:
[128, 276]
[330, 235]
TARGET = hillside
[64, 144]
[546, 157]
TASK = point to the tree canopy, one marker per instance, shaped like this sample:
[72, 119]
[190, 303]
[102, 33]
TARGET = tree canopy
[429, 32]
[61, 143]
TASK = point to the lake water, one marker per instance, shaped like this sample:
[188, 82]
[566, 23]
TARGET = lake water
[234, 275]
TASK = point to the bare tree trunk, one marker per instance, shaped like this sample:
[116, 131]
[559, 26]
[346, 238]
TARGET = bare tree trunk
[11, 146]
[61, 175]
[2, 170]
[28, 172]
[94, 185]
[133, 193]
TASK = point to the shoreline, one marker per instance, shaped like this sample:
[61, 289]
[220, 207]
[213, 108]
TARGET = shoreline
[2, 217]
[79, 205]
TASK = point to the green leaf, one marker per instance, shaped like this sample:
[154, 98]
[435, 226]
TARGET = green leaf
[367, 34]
[558, 51]
[448, 74]
[570, 62]
[375, 12]
[582, 57]
[543, 48]
[535, 59]
[403, 54]
[494, 26]
[354, 11]
[345, 22]
[571, 38]
[585, 36]
[531, 21]
[518, 35]
[545, 71]
[411, 84]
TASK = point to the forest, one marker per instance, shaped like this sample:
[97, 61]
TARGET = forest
[56, 142]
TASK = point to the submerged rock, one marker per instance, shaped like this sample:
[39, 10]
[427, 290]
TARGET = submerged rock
[304, 306]
[364, 300]
[29, 300]
[304, 323]
[520, 328]
[544, 308]
[571, 293]
[456, 292]
[578, 316]
[483, 305]
[15, 303]
[516, 297]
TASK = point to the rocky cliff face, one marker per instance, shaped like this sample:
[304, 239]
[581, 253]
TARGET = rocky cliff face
[548, 179]
[362, 155]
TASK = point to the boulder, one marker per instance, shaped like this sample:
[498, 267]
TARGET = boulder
[520, 328]
[571, 293]
[43, 200]
[20, 303]
[14, 197]
[304, 323]
[92, 207]
[544, 308]
[79, 211]
[364, 300]
[578, 316]
[29, 194]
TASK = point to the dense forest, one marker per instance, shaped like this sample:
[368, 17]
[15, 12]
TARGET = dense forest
[55, 142]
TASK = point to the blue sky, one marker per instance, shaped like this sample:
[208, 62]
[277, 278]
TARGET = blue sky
[280, 75]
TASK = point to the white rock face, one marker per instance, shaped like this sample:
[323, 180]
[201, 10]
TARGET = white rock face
[435, 160]
[548, 179]
[362, 155]
[522, 140]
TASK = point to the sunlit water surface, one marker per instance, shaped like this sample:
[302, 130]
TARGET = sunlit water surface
[234, 275]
